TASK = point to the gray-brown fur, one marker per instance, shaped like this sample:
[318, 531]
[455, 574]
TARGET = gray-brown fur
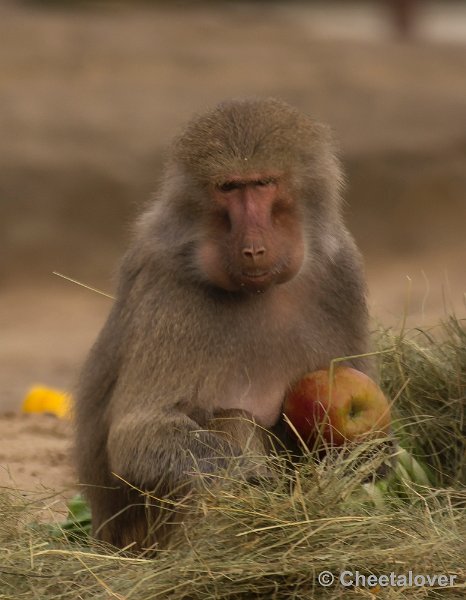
[179, 354]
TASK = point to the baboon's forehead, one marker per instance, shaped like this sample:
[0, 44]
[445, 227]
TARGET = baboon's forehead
[242, 136]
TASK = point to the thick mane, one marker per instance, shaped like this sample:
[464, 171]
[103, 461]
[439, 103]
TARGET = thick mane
[237, 136]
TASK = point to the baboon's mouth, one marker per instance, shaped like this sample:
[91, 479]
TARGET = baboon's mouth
[256, 281]
[255, 274]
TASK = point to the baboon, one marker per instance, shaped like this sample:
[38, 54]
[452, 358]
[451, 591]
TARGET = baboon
[241, 277]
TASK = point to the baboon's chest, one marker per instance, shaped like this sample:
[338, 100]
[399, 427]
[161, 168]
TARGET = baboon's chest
[262, 398]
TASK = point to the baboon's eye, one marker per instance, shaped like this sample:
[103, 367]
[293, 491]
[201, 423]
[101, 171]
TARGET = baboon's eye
[264, 182]
[229, 186]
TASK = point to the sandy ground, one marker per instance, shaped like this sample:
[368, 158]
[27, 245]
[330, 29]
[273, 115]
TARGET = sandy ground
[88, 104]
[45, 336]
[35, 454]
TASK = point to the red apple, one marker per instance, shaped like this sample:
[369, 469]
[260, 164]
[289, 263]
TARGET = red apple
[351, 408]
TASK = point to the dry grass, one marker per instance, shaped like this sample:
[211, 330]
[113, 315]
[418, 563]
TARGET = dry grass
[426, 373]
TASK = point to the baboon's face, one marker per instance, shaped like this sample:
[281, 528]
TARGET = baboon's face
[254, 237]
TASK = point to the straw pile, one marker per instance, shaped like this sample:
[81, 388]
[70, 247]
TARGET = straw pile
[271, 539]
[426, 374]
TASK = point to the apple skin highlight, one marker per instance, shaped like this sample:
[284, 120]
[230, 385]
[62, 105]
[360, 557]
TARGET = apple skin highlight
[351, 408]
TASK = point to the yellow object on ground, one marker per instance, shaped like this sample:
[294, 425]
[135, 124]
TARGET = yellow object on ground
[41, 399]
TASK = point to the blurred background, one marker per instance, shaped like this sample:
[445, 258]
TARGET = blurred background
[91, 94]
